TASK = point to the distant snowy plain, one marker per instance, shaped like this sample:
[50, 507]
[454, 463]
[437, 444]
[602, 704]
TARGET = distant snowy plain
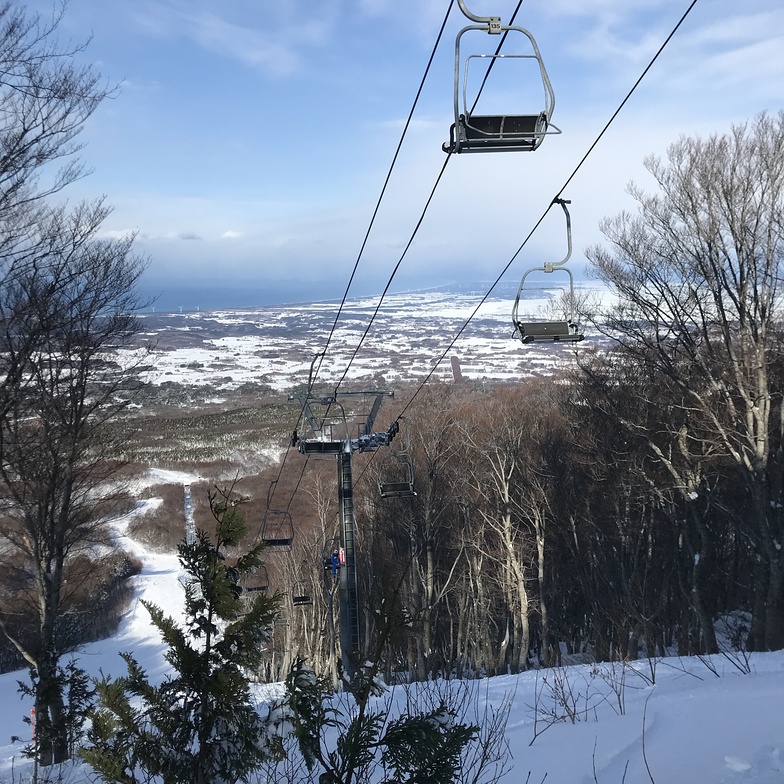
[409, 337]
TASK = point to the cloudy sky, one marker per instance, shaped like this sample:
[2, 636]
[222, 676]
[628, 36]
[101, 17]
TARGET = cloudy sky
[250, 139]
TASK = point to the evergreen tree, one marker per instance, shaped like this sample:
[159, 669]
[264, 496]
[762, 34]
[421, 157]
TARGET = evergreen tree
[426, 747]
[199, 725]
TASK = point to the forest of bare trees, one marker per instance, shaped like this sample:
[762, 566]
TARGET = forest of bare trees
[620, 510]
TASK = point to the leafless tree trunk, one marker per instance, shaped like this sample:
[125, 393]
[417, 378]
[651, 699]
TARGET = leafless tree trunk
[697, 273]
[56, 331]
[64, 312]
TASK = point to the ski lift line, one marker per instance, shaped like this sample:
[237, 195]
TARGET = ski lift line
[320, 357]
[285, 457]
[424, 211]
[394, 272]
[275, 481]
[541, 219]
[419, 223]
[555, 200]
[384, 187]
[315, 370]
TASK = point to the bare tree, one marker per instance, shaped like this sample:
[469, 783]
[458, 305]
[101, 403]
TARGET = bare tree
[66, 303]
[45, 99]
[697, 273]
[56, 445]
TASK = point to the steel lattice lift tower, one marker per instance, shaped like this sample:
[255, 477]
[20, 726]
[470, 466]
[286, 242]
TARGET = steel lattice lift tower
[332, 437]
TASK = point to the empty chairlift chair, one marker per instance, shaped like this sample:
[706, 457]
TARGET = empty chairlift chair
[277, 527]
[396, 471]
[476, 129]
[531, 330]
[301, 593]
[256, 582]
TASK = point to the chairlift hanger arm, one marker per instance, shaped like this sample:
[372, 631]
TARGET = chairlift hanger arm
[549, 266]
[493, 22]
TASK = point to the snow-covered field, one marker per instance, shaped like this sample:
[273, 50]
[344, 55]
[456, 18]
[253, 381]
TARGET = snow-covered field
[410, 335]
[700, 722]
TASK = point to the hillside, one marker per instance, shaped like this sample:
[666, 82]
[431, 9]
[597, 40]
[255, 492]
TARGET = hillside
[715, 720]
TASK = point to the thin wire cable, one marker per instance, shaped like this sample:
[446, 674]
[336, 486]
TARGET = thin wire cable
[557, 196]
[384, 187]
[394, 271]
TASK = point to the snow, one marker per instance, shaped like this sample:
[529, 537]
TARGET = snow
[715, 720]
[408, 335]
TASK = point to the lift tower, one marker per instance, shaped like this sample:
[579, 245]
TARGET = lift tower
[334, 436]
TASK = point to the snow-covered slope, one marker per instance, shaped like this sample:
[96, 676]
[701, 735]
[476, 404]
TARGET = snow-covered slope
[672, 721]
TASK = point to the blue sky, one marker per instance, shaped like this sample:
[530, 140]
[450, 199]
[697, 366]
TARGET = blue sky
[250, 139]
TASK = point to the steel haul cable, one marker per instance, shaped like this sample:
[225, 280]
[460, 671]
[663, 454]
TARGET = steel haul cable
[365, 240]
[536, 225]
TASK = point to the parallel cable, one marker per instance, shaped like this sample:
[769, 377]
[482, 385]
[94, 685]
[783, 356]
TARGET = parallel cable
[557, 196]
[395, 270]
[365, 241]
[386, 183]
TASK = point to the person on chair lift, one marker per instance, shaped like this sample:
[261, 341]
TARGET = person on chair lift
[336, 564]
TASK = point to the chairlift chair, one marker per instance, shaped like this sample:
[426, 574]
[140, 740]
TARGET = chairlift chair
[530, 330]
[330, 434]
[396, 476]
[257, 581]
[301, 593]
[396, 472]
[252, 585]
[277, 527]
[473, 131]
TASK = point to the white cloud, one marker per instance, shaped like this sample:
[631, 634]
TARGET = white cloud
[273, 39]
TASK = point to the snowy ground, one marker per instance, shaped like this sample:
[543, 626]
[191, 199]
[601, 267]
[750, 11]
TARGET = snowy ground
[411, 336]
[703, 722]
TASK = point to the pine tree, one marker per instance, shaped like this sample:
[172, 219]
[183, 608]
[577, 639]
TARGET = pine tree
[199, 725]
[424, 747]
